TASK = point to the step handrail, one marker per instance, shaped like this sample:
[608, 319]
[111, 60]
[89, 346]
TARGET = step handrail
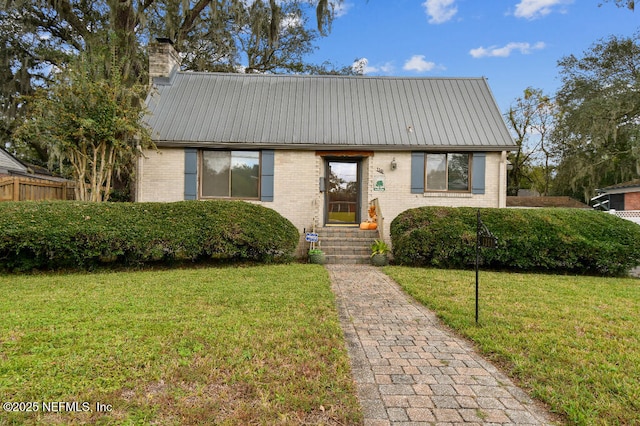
[380, 218]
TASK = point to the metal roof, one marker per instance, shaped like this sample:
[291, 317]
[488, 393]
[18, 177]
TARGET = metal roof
[630, 186]
[328, 112]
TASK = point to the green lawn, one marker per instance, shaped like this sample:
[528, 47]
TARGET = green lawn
[245, 345]
[574, 342]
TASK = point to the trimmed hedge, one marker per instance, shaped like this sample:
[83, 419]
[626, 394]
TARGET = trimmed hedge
[52, 235]
[553, 240]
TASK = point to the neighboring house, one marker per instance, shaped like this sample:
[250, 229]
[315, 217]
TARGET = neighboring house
[320, 149]
[9, 164]
[623, 196]
[19, 183]
[622, 200]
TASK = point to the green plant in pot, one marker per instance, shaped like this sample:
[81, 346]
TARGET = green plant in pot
[379, 252]
[316, 256]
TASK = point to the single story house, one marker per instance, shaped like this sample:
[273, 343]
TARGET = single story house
[623, 196]
[622, 199]
[10, 165]
[19, 182]
[320, 149]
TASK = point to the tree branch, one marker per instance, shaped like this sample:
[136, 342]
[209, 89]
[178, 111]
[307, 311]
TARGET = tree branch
[190, 18]
[65, 10]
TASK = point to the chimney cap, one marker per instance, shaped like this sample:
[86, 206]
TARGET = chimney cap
[164, 40]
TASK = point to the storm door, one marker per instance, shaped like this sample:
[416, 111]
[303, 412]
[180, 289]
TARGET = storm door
[343, 192]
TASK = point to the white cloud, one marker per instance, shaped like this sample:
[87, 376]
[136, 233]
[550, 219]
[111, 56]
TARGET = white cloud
[440, 11]
[291, 20]
[362, 66]
[505, 51]
[385, 69]
[419, 64]
[341, 8]
[532, 9]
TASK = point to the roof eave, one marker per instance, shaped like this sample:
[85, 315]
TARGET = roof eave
[333, 147]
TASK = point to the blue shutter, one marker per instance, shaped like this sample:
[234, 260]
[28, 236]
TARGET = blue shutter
[417, 172]
[478, 166]
[190, 174]
[266, 175]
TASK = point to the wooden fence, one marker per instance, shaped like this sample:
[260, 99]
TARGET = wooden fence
[19, 188]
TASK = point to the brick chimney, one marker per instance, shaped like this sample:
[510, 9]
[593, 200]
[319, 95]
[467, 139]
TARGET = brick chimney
[163, 58]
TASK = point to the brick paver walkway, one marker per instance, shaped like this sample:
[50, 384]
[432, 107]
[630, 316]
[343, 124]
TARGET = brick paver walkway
[409, 369]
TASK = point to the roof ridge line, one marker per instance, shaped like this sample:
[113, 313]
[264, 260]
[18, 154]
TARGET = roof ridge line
[372, 77]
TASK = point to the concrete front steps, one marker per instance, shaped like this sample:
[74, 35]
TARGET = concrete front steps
[346, 245]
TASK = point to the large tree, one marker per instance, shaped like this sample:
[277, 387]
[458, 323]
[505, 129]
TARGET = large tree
[83, 108]
[598, 129]
[530, 119]
[92, 122]
[255, 36]
[53, 29]
[40, 37]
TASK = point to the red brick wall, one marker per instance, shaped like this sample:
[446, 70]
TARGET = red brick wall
[632, 201]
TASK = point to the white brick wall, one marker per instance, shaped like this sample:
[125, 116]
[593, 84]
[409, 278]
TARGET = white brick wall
[296, 188]
[160, 175]
[296, 191]
[296, 185]
[397, 196]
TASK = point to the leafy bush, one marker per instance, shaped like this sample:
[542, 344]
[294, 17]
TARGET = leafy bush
[51, 235]
[558, 240]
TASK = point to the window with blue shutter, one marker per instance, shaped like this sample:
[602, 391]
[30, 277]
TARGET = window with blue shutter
[244, 175]
[448, 172]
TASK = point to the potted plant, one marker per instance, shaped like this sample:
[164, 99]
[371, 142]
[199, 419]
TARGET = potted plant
[316, 256]
[379, 251]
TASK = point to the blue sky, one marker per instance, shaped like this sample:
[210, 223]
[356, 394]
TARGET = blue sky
[513, 43]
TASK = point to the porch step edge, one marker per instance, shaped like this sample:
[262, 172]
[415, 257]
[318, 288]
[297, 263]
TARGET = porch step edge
[347, 259]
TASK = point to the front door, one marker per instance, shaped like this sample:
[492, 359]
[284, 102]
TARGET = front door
[343, 192]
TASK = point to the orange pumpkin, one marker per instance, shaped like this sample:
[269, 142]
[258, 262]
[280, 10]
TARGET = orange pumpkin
[368, 225]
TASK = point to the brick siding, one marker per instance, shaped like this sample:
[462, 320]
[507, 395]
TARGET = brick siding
[632, 201]
[296, 185]
[160, 175]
